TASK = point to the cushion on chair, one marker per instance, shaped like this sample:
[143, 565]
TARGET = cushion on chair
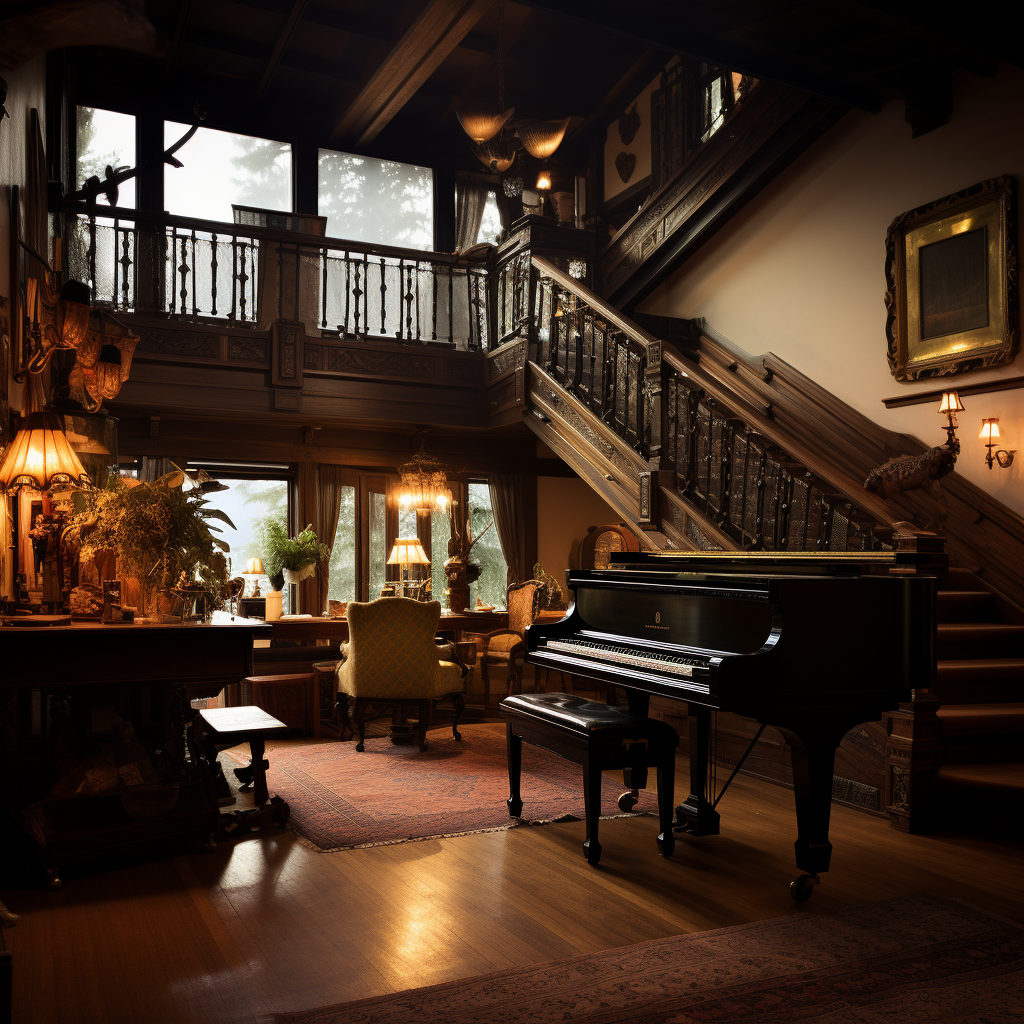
[502, 644]
[391, 651]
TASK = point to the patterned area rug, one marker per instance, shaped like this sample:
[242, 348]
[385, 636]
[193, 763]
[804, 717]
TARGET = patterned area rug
[341, 799]
[912, 960]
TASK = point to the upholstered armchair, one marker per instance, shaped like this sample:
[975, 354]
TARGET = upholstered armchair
[391, 659]
[505, 648]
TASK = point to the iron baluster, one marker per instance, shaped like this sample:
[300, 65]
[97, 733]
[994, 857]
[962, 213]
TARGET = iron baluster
[433, 308]
[195, 278]
[92, 250]
[419, 337]
[213, 275]
[242, 278]
[357, 292]
[323, 288]
[366, 290]
[348, 285]
[470, 344]
[183, 272]
[451, 295]
[383, 294]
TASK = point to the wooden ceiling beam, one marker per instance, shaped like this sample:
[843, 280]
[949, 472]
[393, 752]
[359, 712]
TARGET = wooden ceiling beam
[179, 34]
[298, 6]
[435, 33]
[671, 27]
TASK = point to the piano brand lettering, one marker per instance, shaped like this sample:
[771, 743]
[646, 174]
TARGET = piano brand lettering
[657, 619]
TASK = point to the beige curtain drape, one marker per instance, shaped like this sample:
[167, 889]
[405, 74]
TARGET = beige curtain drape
[328, 505]
[470, 199]
[509, 521]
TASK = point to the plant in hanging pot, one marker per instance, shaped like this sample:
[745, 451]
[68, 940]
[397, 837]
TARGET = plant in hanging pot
[290, 559]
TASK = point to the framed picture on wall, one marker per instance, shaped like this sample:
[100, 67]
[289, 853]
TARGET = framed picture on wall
[951, 275]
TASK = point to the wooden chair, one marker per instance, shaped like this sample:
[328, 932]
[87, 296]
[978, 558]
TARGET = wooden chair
[391, 659]
[506, 648]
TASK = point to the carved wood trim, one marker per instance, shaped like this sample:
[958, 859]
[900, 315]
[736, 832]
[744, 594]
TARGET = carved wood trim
[287, 342]
[771, 127]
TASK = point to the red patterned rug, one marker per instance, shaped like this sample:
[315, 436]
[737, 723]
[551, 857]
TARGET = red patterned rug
[913, 960]
[341, 799]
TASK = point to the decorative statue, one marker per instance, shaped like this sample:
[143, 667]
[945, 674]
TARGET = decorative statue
[459, 571]
[908, 472]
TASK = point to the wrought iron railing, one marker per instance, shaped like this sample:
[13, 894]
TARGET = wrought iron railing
[199, 270]
[606, 361]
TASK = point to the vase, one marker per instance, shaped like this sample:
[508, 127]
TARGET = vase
[298, 575]
[273, 607]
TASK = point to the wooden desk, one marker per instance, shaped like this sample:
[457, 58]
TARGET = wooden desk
[336, 630]
[151, 785]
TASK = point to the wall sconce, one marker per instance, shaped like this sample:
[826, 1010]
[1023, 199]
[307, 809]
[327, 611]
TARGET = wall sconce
[950, 405]
[543, 181]
[990, 435]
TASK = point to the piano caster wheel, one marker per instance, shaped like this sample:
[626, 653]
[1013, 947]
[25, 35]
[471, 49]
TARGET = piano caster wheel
[801, 888]
[629, 800]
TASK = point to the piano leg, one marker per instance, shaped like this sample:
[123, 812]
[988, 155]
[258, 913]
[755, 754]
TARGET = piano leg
[814, 760]
[696, 816]
[592, 803]
[515, 771]
[635, 778]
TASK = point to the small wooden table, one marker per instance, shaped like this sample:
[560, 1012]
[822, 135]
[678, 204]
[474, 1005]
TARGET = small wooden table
[251, 724]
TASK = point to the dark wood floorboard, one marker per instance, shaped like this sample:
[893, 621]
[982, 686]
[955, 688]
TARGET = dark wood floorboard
[266, 924]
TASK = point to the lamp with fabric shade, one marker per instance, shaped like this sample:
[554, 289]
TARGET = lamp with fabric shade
[990, 435]
[40, 456]
[254, 567]
[407, 551]
[950, 405]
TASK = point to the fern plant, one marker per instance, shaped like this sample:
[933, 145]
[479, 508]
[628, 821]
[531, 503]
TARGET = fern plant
[282, 552]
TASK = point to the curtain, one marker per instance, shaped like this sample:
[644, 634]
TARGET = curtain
[510, 208]
[509, 519]
[470, 199]
[328, 505]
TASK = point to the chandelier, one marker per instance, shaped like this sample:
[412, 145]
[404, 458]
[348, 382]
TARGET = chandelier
[495, 141]
[424, 485]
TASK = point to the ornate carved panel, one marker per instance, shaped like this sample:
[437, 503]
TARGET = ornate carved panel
[383, 364]
[189, 344]
[506, 358]
[287, 342]
[253, 350]
[469, 371]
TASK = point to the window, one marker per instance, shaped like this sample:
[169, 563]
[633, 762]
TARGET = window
[378, 537]
[341, 581]
[105, 138]
[380, 201]
[440, 533]
[222, 169]
[490, 588]
[248, 501]
[490, 222]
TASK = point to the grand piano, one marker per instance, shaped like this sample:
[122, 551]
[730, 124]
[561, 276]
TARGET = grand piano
[811, 644]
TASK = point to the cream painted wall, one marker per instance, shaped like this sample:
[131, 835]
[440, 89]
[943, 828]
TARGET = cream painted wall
[566, 506]
[800, 270]
[640, 147]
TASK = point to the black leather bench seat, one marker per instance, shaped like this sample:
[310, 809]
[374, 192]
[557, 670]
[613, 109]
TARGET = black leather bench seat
[598, 737]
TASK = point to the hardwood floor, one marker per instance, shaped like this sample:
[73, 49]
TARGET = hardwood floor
[265, 924]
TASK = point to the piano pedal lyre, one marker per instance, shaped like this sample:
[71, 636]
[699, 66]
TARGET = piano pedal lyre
[697, 817]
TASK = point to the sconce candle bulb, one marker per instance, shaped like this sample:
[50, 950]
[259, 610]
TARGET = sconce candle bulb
[990, 435]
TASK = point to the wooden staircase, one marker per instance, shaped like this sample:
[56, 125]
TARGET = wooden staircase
[979, 724]
[702, 448]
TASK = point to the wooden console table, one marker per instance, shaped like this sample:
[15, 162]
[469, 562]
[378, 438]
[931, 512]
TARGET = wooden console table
[142, 781]
[336, 630]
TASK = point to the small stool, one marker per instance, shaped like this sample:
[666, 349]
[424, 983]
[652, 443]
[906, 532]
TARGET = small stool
[598, 737]
[229, 726]
[292, 698]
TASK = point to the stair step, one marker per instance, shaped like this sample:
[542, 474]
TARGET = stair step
[981, 719]
[980, 639]
[966, 606]
[960, 579]
[1003, 777]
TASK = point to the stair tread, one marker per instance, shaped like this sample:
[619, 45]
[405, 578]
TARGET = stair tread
[958, 664]
[1004, 628]
[1004, 775]
[981, 720]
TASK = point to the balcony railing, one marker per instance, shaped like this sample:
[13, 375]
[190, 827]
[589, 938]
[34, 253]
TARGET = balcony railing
[197, 270]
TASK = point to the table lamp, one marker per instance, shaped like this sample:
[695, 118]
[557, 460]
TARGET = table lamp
[254, 567]
[407, 551]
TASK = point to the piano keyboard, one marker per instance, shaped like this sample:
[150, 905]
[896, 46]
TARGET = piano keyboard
[672, 664]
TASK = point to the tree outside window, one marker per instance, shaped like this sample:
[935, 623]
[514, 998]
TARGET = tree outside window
[490, 588]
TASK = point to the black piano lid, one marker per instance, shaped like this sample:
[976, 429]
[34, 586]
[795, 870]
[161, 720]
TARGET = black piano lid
[765, 563]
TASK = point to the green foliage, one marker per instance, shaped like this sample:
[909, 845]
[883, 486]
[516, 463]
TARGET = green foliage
[283, 552]
[158, 531]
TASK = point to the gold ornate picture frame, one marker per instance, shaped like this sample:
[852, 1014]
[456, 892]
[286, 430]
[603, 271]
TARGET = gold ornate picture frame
[951, 283]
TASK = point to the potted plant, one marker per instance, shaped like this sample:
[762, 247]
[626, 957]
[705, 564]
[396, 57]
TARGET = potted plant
[158, 531]
[290, 559]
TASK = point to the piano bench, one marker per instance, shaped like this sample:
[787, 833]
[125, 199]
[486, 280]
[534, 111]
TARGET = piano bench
[598, 737]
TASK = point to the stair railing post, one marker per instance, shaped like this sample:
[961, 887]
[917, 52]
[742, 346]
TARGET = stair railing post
[653, 395]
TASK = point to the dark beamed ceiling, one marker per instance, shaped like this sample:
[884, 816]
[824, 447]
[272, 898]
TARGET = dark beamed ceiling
[381, 76]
